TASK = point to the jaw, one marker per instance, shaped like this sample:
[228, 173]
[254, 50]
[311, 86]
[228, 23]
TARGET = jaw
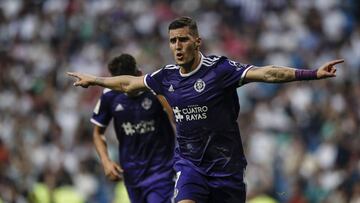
[188, 61]
[187, 66]
[179, 61]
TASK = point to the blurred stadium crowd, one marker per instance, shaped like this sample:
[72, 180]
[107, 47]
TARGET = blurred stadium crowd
[302, 139]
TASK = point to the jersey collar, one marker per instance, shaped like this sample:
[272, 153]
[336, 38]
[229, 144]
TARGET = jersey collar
[195, 70]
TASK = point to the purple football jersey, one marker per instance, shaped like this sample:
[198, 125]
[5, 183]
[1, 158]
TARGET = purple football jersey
[146, 138]
[206, 107]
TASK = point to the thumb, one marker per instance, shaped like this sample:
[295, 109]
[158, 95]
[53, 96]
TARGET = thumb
[78, 83]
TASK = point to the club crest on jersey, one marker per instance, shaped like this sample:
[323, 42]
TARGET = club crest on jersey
[199, 85]
[146, 103]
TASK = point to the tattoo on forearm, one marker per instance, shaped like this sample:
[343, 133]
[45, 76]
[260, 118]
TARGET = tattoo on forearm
[279, 74]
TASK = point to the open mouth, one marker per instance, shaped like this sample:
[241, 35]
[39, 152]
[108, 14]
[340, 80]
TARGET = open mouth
[179, 56]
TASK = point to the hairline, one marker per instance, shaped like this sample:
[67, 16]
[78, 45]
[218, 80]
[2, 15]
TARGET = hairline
[191, 31]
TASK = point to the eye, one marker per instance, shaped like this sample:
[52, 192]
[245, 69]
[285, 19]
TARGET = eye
[172, 40]
[183, 39]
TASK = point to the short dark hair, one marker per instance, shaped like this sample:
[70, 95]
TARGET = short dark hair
[124, 64]
[184, 21]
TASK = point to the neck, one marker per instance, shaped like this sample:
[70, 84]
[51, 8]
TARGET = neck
[191, 65]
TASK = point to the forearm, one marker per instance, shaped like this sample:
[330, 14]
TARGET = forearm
[279, 74]
[101, 147]
[119, 83]
[124, 83]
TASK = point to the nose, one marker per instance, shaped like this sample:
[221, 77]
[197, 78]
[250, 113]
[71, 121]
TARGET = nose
[178, 45]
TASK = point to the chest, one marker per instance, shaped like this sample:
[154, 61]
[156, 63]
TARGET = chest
[192, 90]
[144, 107]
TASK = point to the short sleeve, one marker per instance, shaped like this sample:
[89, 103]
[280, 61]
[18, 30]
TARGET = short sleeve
[233, 72]
[154, 80]
[102, 112]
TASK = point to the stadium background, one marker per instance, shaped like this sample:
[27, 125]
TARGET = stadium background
[301, 139]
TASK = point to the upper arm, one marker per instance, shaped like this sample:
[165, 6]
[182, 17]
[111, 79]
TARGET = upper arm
[98, 130]
[256, 74]
[102, 112]
[232, 72]
[154, 81]
[99, 134]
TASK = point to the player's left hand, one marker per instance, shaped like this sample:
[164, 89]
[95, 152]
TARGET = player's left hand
[83, 80]
[328, 69]
[113, 171]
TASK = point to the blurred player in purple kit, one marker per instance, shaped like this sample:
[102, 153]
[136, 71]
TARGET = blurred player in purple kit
[146, 138]
[210, 161]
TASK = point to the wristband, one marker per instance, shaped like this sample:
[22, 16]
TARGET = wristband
[305, 74]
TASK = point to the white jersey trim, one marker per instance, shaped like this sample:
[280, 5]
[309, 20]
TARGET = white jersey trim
[106, 90]
[171, 66]
[208, 61]
[194, 71]
[154, 73]
[147, 75]
[97, 123]
[244, 74]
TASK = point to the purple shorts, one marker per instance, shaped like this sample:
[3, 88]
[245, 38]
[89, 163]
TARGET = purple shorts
[151, 195]
[192, 185]
[155, 191]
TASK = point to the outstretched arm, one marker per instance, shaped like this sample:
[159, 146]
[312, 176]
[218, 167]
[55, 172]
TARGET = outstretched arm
[124, 83]
[278, 74]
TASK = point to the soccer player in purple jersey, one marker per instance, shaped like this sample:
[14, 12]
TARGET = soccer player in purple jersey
[201, 89]
[146, 139]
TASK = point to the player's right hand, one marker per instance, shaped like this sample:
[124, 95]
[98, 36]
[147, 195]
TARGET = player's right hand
[83, 80]
[112, 171]
[328, 69]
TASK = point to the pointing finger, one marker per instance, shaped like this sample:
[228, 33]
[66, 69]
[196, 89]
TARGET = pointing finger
[70, 73]
[336, 62]
[73, 74]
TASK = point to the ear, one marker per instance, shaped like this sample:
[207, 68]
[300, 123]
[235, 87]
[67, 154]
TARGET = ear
[198, 42]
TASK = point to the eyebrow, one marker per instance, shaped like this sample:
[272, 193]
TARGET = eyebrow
[179, 37]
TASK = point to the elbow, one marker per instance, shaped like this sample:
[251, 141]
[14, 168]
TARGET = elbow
[122, 88]
[127, 90]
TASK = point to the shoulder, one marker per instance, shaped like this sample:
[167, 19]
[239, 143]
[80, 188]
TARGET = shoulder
[165, 70]
[106, 90]
[215, 60]
[108, 94]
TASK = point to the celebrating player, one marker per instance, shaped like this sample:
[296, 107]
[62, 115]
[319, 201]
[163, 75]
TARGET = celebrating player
[201, 89]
